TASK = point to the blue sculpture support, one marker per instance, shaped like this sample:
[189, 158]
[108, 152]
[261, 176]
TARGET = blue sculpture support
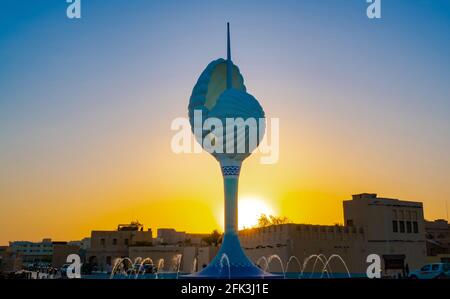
[236, 264]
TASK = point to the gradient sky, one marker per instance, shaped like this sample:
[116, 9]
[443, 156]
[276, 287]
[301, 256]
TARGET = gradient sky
[86, 107]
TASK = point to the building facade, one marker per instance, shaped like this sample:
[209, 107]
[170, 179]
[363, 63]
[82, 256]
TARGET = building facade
[438, 240]
[33, 253]
[395, 229]
[61, 250]
[170, 236]
[107, 246]
[391, 228]
[307, 247]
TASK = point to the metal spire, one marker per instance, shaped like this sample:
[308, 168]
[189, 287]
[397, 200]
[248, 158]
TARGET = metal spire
[229, 63]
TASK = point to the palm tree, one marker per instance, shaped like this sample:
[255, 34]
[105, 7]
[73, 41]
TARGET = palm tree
[214, 239]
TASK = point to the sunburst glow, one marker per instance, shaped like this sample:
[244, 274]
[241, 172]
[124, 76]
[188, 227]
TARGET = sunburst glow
[250, 209]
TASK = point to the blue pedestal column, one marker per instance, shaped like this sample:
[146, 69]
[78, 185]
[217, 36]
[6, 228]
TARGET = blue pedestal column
[231, 261]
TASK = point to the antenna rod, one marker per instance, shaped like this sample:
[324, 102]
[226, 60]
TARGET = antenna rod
[229, 63]
[446, 209]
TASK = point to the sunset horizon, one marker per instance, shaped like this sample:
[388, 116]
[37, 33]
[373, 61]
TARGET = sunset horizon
[224, 148]
[86, 112]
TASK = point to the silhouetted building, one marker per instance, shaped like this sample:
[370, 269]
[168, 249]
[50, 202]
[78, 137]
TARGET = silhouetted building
[61, 250]
[391, 228]
[33, 253]
[106, 246]
[394, 228]
[438, 240]
[9, 261]
[170, 236]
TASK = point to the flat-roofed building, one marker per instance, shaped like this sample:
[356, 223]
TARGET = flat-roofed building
[106, 246]
[394, 228]
[438, 240]
[311, 245]
[61, 250]
[33, 253]
[390, 228]
[170, 236]
[9, 261]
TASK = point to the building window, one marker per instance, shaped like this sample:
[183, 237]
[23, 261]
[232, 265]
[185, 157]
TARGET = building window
[402, 226]
[102, 242]
[395, 226]
[416, 227]
[114, 241]
[408, 227]
[394, 214]
[108, 260]
[349, 222]
[125, 241]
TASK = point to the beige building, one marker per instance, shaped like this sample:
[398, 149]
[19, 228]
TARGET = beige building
[33, 253]
[10, 260]
[169, 236]
[394, 228]
[170, 251]
[61, 250]
[311, 245]
[172, 258]
[391, 228]
[438, 240]
[106, 246]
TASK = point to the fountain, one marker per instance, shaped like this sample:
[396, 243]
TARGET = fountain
[141, 265]
[326, 267]
[160, 265]
[194, 265]
[338, 257]
[266, 263]
[276, 257]
[126, 268]
[293, 258]
[177, 263]
[225, 258]
[318, 257]
[119, 265]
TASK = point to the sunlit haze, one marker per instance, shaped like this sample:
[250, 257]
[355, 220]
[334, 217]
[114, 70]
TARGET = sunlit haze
[86, 108]
[250, 209]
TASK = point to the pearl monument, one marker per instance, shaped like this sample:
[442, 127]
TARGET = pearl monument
[220, 93]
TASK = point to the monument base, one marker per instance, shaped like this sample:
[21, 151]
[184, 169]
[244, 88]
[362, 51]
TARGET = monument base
[231, 262]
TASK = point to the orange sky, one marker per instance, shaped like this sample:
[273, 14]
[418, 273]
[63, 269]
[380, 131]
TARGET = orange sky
[163, 189]
[86, 108]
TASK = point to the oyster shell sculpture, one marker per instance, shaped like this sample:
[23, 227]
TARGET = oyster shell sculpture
[220, 95]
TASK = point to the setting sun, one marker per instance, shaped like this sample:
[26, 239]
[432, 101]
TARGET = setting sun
[250, 209]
